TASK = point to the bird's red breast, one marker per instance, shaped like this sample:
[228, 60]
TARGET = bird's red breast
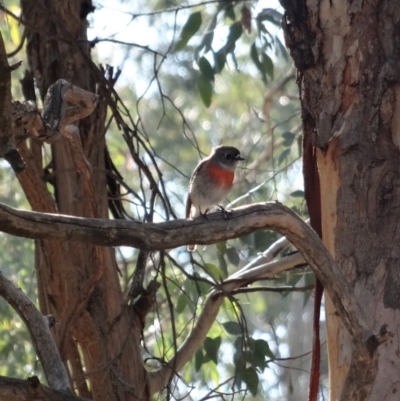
[220, 176]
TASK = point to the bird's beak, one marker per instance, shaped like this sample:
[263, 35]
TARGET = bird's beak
[238, 157]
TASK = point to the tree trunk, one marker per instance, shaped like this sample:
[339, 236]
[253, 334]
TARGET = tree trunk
[97, 334]
[348, 57]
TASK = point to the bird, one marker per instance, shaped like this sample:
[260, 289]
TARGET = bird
[211, 181]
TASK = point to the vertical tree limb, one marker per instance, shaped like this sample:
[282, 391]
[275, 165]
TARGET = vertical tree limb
[7, 143]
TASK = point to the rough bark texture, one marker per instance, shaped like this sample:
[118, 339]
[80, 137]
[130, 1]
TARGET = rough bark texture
[348, 57]
[78, 284]
[7, 142]
[21, 390]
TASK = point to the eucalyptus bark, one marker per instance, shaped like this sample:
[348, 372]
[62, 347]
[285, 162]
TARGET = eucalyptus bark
[348, 59]
[97, 334]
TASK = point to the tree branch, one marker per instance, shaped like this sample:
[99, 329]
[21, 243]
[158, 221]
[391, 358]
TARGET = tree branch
[279, 289]
[266, 270]
[171, 234]
[38, 327]
[176, 233]
[7, 143]
[21, 390]
[158, 379]
[63, 106]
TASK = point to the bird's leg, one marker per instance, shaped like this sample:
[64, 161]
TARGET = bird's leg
[204, 215]
[227, 213]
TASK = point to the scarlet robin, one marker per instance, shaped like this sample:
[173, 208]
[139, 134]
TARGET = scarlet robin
[211, 181]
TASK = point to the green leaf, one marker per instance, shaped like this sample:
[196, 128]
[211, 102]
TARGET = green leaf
[198, 360]
[211, 347]
[222, 264]
[258, 361]
[240, 374]
[235, 32]
[283, 156]
[238, 344]
[181, 303]
[191, 289]
[262, 239]
[208, 37]
[257, 352]
[288, 138]
[221, 247]
[205, 89]
[268, 65]
[251, 379]
[230, 12]
[254, 55]
[215, 272]
[256, 61]
[219, 60]
[293, 279]
[297, 194]
[189, 29]
[235, 62]
[262, 347]
[203, 287]
[195, 288]
[309, 278]
[233, 256]
[206, 69]
[233, 328]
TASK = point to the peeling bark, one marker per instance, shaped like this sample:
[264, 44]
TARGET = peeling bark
[78, 283]
[350, 92]
[7, 141]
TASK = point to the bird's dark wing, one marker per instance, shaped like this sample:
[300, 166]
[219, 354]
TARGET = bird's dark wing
[188, 206]
[189, 200]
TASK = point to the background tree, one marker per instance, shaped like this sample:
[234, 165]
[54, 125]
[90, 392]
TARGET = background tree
[127, 323]
[347, 57]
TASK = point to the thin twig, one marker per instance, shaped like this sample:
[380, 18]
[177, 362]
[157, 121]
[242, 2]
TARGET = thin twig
[272, 289]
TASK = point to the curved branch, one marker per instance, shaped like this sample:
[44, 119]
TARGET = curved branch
[171, 234]
[265, 270]
[159, 379]
[38, 327]
[21, 390]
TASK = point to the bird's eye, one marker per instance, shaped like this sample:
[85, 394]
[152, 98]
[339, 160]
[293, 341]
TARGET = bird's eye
[228, 156]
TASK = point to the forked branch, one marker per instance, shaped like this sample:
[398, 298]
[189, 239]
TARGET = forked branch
[171, 234]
